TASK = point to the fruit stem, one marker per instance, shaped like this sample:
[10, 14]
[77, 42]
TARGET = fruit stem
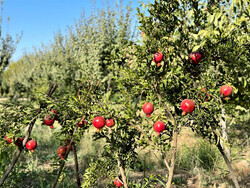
[184, 113]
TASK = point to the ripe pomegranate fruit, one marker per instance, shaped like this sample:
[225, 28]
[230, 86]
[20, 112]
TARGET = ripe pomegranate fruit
[158, 57]
[61, 151]
[110, 122]
[49, 121]
[31, 145]
[19, 142]
[226, 91]
[187, 106]
[159, 126]
[195, 57]
[8, 140]
[81, 123]
[148, 108]
[118, 183]
[99, 122]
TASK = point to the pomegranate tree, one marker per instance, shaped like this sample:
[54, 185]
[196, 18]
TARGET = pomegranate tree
[31, 145]
[187, 106]
[99, 122]
[226, 91]
[148, 108]
[159, 126]
[195, 57]
[110, 122]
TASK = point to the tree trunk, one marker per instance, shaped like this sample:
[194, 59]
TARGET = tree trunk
[124, 178]
[224, 136]
[76, 169]
[234, 178]
[171, 171]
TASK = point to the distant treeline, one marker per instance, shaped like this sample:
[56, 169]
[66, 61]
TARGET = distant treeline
[89, 49]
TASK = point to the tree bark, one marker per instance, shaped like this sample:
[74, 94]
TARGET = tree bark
[233, 176]
[76, 169]
[124, 178]
[50, 91]
[171, 169]
[224, 136]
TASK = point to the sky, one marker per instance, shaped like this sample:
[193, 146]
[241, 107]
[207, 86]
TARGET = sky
[39, 20]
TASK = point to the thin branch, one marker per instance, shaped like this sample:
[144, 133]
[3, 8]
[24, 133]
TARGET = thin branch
[166, 163]
[124, 178]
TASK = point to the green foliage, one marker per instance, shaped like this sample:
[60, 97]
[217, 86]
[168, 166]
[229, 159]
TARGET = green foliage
[101, 71]
[7, 47]
[88, 50]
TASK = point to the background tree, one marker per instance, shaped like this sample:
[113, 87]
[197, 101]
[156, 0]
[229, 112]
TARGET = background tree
[7, 46]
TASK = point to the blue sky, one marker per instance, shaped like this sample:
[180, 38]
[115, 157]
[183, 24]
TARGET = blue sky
[39, 20]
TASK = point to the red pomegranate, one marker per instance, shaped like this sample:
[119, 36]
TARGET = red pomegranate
[49, 121]
[8, 140]
[148, 108]
[159, 126]
[187, 106]
[19, 142]
[31, 145]
[226, 91]
[81, 123]
[158, 57]
[110, 122]
[118, 183]
[99, 122]
[61, 151]
[195, 57]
